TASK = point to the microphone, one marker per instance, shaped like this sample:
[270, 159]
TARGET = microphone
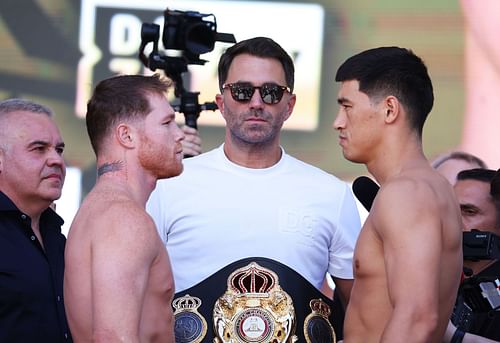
[365, 190]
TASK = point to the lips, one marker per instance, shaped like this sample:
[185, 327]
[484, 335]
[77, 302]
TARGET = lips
[57, 176]
[342, 139]
[54, 176]
[255, 119]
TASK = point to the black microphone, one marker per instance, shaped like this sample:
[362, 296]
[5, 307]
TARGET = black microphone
[365, 189]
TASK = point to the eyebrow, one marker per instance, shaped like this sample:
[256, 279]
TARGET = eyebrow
[342, 100]
[38, 142]
[468, 206]
[171, 115]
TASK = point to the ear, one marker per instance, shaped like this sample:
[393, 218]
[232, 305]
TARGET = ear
[220, 103]
[125, 135]
[392, 108]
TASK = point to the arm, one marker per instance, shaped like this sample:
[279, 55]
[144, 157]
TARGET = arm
[191, 144]
[121, 259]
[343, 288]
[482, 24]
[412, 246]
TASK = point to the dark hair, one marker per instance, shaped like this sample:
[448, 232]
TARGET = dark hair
[488, 176]
[119, 98]
[478, 174]
[459, 155]
[392, 71]
[495, 186]
[261, 47]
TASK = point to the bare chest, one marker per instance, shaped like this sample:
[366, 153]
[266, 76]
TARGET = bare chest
[368, 254]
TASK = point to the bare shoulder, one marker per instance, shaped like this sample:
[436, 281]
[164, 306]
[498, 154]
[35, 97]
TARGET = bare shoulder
[416, 198]
[108, 216]
[421, 189]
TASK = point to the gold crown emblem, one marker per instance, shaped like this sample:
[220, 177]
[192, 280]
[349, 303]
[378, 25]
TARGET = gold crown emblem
[320, 307]
[254, 309]
[186, 302]
[252, 279]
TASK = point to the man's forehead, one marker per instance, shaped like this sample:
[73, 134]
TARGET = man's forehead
[29, 126]
[472, 187]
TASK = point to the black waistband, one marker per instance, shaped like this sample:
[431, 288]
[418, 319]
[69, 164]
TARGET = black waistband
[299, 289]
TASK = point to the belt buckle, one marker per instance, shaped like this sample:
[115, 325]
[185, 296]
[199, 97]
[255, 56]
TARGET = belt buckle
[254, 309]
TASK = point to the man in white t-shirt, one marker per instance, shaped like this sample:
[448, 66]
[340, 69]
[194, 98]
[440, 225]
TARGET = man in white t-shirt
[248, 197]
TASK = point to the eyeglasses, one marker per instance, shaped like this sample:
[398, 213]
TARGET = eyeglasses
[270, 93]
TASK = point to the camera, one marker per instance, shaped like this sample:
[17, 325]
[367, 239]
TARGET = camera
[191, 33]
[478, 298]
[480, 245]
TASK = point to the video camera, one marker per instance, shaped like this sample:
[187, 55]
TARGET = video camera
[480, 245]
[192, 33]
[479, 295]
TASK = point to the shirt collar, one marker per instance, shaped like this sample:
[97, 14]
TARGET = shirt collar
[49, 215]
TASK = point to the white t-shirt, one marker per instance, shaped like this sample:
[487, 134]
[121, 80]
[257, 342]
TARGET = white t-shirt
[217, 212]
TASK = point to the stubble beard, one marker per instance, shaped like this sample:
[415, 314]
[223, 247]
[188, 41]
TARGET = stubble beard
[256, 133]
[152, 158]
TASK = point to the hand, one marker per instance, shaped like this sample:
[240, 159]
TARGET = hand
[191, 144]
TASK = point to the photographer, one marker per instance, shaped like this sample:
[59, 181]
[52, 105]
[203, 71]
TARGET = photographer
[478, 192]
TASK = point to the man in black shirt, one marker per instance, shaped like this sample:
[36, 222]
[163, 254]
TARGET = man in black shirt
[32, 172]
[474, 313]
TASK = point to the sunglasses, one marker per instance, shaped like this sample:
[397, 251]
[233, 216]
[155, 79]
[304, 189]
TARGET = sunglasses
[270, 93]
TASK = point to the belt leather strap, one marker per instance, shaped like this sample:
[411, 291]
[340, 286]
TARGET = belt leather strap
[195, 306]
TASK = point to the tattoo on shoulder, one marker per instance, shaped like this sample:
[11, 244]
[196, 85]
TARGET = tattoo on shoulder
[109, 167]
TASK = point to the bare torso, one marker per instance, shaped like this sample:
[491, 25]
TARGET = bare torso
[118, 279]
[407, 262]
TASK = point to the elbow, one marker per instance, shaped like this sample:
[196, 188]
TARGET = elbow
[427, 325]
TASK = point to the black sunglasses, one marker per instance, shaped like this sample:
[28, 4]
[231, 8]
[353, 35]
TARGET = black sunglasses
[270, 93]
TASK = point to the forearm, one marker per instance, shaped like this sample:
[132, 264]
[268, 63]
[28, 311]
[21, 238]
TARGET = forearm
[408, 329]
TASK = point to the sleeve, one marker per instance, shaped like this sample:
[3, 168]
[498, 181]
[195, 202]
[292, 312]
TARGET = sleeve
[155, 206]
[347, 226]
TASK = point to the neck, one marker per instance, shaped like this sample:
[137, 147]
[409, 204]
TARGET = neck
[120, 175]
[257, 156]
[33, 208]
[110, 167]
[394, 159]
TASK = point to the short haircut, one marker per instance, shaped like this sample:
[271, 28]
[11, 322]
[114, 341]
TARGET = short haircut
[459, 155]
[487, 176]
[495, 186]
[23, 105]
[260, 47]
[393, 71]
[478, 174]
[19, 105]
[120, 98]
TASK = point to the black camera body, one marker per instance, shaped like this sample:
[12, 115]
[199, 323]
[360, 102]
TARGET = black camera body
[480, 245]
[191, 33]
[477, 309]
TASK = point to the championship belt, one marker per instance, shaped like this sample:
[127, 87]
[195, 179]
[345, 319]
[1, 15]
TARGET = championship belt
[256, 300]
[254, 308]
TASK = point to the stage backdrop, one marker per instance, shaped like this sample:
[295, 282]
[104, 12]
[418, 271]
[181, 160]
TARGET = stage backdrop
[54, 51]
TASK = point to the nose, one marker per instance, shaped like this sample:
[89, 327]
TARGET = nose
[55, 158]
[256, 100]
[179, 134]
[339, 122]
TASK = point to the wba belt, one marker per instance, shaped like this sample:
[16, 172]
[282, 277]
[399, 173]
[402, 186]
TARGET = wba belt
[256, 300]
